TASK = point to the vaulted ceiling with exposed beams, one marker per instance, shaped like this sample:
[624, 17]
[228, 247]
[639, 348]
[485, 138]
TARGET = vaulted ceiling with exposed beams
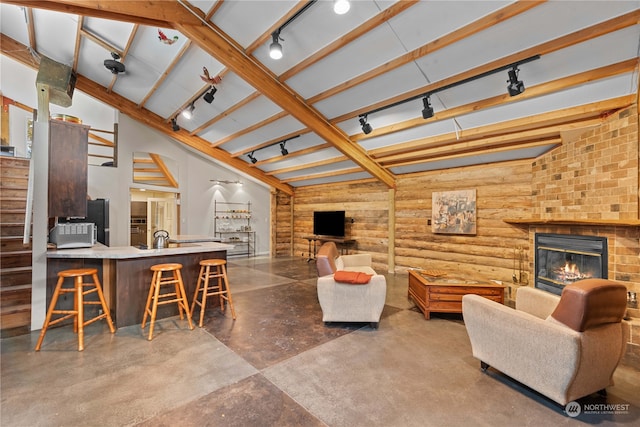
[380, 63]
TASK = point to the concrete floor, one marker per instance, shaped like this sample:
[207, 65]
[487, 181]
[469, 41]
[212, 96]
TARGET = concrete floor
[277, 364]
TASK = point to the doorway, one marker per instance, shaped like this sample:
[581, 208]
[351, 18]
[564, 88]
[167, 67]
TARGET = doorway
[152, 211]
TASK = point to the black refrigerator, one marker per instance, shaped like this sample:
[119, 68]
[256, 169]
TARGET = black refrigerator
[98, 213]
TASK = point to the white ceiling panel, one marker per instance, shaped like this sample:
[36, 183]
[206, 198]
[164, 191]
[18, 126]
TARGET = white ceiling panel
[94, 68]
[398, 81]
[154, 52]
[115, 33]
[14, 21]
[271, 131]
[349, 62]
[601, 89]
[165, 78]
[60, 47]
[439, 18]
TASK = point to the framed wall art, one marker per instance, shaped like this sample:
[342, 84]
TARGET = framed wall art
[453, 212]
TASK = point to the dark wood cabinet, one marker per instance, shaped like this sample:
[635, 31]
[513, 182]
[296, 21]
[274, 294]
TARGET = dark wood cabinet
[139, 209]
[68, 150]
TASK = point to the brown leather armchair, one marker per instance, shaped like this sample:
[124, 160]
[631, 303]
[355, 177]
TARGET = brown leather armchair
[564, 347]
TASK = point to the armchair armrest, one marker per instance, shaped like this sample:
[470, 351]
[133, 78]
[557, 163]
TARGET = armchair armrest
[356, 260]
[536, 302]
[516, 343]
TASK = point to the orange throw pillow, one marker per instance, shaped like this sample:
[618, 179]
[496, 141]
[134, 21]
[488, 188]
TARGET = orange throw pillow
[352, 277]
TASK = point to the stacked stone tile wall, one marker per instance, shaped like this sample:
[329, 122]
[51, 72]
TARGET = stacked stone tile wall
[596, 177]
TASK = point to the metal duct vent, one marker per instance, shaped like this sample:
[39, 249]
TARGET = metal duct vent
[59, 78]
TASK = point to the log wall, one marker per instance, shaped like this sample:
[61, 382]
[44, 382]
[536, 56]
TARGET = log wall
[502, 190]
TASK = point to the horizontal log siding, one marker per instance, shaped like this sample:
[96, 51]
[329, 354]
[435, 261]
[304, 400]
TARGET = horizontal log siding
[366, 210]
[282, 228]
[501, 190]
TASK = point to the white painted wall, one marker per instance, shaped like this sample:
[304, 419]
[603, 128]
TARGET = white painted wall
[195, 171]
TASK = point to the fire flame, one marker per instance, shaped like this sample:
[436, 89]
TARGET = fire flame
[571, 268]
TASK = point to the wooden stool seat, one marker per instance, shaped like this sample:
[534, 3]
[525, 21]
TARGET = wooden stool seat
[81, 289]
[155, 298]
[212, 269]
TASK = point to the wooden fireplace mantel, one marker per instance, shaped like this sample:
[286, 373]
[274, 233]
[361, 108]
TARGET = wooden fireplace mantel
[587, 222]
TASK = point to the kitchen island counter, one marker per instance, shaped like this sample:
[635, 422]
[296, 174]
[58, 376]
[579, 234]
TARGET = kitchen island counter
[123, 252]
[126, 276]
[193, 238]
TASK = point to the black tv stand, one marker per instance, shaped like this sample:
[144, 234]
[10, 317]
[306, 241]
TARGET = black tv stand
[342, 242]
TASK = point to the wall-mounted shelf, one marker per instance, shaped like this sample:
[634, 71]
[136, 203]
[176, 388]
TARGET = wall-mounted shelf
[232, 223]
[600, 222]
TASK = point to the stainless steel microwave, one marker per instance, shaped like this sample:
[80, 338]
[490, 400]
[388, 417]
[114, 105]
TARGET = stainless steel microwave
[74, 235]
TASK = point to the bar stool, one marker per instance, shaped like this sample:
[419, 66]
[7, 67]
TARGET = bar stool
[81, 289]
[155, 298]
[219, 287]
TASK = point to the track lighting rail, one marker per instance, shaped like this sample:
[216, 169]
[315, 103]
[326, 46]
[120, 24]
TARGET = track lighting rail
[454, 84]
[283, 150]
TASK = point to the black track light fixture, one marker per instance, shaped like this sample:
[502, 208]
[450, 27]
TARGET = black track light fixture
[187, 113]
[275, 48]
[515, 87]
[253, 159]
[283, 150]
[208, 97]
[174, 124]
[366, 127]
[427, 111]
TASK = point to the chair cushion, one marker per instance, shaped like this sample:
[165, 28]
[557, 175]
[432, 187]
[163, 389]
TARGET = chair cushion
[352, 277]
[326, 259]
[591, 302]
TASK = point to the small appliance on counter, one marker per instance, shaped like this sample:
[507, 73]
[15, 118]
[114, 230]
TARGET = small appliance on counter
[161, 239]
[73, 235]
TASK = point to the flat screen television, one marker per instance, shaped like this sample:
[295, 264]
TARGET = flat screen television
[328, 223]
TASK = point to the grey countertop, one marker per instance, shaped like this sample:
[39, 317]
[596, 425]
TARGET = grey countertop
[125, 252]
[193, 238]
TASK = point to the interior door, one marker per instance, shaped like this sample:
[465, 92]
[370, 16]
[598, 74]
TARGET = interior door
[161, 215]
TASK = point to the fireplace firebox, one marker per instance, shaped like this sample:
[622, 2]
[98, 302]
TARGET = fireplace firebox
[562, 259]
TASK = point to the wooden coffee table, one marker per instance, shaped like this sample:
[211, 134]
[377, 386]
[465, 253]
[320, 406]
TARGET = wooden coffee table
[443, 292]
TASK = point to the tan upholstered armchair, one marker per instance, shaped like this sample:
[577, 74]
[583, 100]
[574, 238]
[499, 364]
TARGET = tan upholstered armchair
[342, 302]
[564, 347]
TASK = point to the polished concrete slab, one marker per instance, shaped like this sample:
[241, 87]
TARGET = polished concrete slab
[277, 364]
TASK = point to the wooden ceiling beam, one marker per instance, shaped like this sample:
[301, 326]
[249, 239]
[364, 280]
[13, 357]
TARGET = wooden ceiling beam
[475, 153]
[551, 46]
[19, 52]
[561, 117]
[103, 9]
[563, 83]
[271, 142]
[509, 140]
[310, 165]
[374, 22]
[295, 154]
[456, 35]
[254, 73]
[323, 175]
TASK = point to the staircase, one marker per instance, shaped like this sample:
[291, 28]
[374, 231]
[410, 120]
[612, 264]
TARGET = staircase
[15, 258]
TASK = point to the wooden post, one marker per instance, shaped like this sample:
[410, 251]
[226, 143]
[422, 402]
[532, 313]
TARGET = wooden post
[391, 260]
[37, 202]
